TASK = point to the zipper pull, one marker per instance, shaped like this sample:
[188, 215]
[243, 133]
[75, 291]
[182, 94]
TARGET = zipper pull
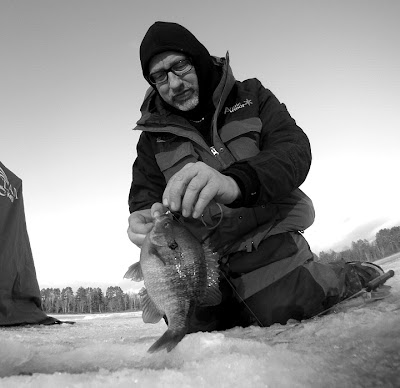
[214, 151]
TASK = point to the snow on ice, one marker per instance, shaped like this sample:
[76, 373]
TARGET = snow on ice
[356, 346]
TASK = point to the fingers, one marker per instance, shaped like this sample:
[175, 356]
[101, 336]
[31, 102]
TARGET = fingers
[191, 189]
[206, 195]
[136, 238]
[140, 223]
[176, 187]
[157, 209]
[195, 198]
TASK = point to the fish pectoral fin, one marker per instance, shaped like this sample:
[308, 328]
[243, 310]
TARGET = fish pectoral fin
[151, 314]
[212, 296]
[134, 272]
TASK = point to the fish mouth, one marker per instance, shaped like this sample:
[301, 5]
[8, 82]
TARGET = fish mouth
[167, 213]
[163, 216]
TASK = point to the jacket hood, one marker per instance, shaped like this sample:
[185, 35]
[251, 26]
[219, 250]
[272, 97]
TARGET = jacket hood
[166, 36]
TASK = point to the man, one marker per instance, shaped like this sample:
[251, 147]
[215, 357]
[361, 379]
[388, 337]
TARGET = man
[228, 156]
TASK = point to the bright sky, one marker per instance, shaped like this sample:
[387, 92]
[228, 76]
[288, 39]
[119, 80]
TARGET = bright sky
[71, 89]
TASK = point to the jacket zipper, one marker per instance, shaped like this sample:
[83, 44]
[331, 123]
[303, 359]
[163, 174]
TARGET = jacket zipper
[217, 156]
[214, 151]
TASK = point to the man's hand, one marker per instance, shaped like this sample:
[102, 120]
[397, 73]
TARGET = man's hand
[192, 188]
[141, 222]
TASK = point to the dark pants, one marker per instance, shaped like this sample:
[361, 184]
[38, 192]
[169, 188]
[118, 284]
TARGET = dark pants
[298, 295]
[302, 293]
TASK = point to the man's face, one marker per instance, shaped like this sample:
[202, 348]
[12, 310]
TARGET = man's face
[181, 92]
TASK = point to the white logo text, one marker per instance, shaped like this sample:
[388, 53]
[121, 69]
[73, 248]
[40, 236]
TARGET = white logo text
[238, 106]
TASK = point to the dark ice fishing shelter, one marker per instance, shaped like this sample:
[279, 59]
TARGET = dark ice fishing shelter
[20, 301]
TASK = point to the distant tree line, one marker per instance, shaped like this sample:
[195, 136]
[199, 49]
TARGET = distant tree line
[386, 243]
[88, 300]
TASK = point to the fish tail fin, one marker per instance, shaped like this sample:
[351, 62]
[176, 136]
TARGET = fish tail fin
[168, 340]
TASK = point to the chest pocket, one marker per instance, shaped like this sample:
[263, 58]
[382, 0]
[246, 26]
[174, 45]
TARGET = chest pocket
[173, 155]
[242, 137]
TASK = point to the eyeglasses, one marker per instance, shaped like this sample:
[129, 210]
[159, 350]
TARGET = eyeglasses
[179, 68]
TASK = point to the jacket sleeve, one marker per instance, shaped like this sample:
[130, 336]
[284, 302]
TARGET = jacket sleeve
[148, 182]
[283, 161]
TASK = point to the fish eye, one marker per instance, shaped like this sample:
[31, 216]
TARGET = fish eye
[173, 245]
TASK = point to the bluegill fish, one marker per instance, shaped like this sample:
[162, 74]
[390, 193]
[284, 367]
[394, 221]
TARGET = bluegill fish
[179, 274]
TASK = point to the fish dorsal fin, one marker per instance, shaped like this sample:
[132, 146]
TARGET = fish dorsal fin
[212, 295]
[151, 314]
[134, 272]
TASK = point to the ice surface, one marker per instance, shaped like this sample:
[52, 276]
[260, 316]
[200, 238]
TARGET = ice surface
[358, 346]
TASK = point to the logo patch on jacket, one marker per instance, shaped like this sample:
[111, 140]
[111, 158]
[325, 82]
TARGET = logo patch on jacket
[6, 190]
[238, 106]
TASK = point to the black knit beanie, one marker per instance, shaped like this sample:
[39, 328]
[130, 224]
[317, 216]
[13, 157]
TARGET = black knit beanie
[166, 36]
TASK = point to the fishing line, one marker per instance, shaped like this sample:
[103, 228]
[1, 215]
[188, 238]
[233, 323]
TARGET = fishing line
[241, 299]
[219, 221]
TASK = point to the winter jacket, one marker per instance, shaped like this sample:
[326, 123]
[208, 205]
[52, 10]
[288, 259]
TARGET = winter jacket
[253, 139]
